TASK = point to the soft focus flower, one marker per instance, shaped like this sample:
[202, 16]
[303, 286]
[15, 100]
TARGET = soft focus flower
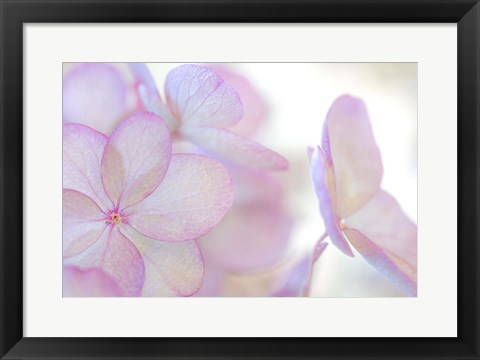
[254, 235]
[200, 107]
[88, 283]
[291, 277]
[347, 172]
[133, 210]
[100, 95]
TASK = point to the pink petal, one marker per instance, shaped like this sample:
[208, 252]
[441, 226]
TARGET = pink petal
[318, 171]
[394, 268]
[192, 198]
[135, 159]
[114, 254]
[348, 142]
[171, 269]
[254, 108]
[197, 96]
[383, 221]
[235, 148]
[95, 95]
[83, 222]
[255, 232]
[82, 153]
[88, 283]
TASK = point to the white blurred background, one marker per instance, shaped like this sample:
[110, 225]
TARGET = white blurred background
[298, 96]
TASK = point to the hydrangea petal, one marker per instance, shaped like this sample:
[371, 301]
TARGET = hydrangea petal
[88, 283]
[394, 268]
[192, 198]
[135, 159]
[348, 142]
[318, 171]
[171, 269]
[82, 154]
[383, 221]
[255, 232]
[83, 222]
[198, 96]
[114, 254]
[254, 108]
[235, 148]
[95, 95]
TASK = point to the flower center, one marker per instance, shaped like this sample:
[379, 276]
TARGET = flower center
[114, 218]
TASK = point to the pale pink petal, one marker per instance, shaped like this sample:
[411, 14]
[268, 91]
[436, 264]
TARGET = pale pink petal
[394, 268]
[254, 108]
[383, 221]
[114, 254]
[94, 95]
[348, 142]
[83, 222]
[212, 285]
[82, 155]
[318, 171]
[235, 148]
[255, 232]
[135, 159]
[192, 198]
[171, 269]
[88, 283]
[197, 96]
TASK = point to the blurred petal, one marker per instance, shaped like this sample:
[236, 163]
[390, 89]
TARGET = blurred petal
[95, 95]
[383, 221]
[235, 148]
[153, 103]
[254, 108]
[83, 222]
[82, 153]
[192, 198]
[394, 268]
[319, 177]
[198, 96]
[143, 76]
[348, 142]
[255, 232]
[171, 269]
[136, 158]
[117, 257]
[88, 283]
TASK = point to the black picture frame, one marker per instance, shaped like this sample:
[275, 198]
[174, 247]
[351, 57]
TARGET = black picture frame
[14, 13]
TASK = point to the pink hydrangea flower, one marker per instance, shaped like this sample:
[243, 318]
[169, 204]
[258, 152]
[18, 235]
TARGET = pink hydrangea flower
[200, 108]
[100, 95]
[134, 210]
[347, 172]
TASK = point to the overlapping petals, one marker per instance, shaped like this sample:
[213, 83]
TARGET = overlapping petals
[121, 183]
[347, 173]
[254, 107]
[200, 106]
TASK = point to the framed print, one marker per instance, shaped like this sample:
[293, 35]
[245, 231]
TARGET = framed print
[238, 179]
